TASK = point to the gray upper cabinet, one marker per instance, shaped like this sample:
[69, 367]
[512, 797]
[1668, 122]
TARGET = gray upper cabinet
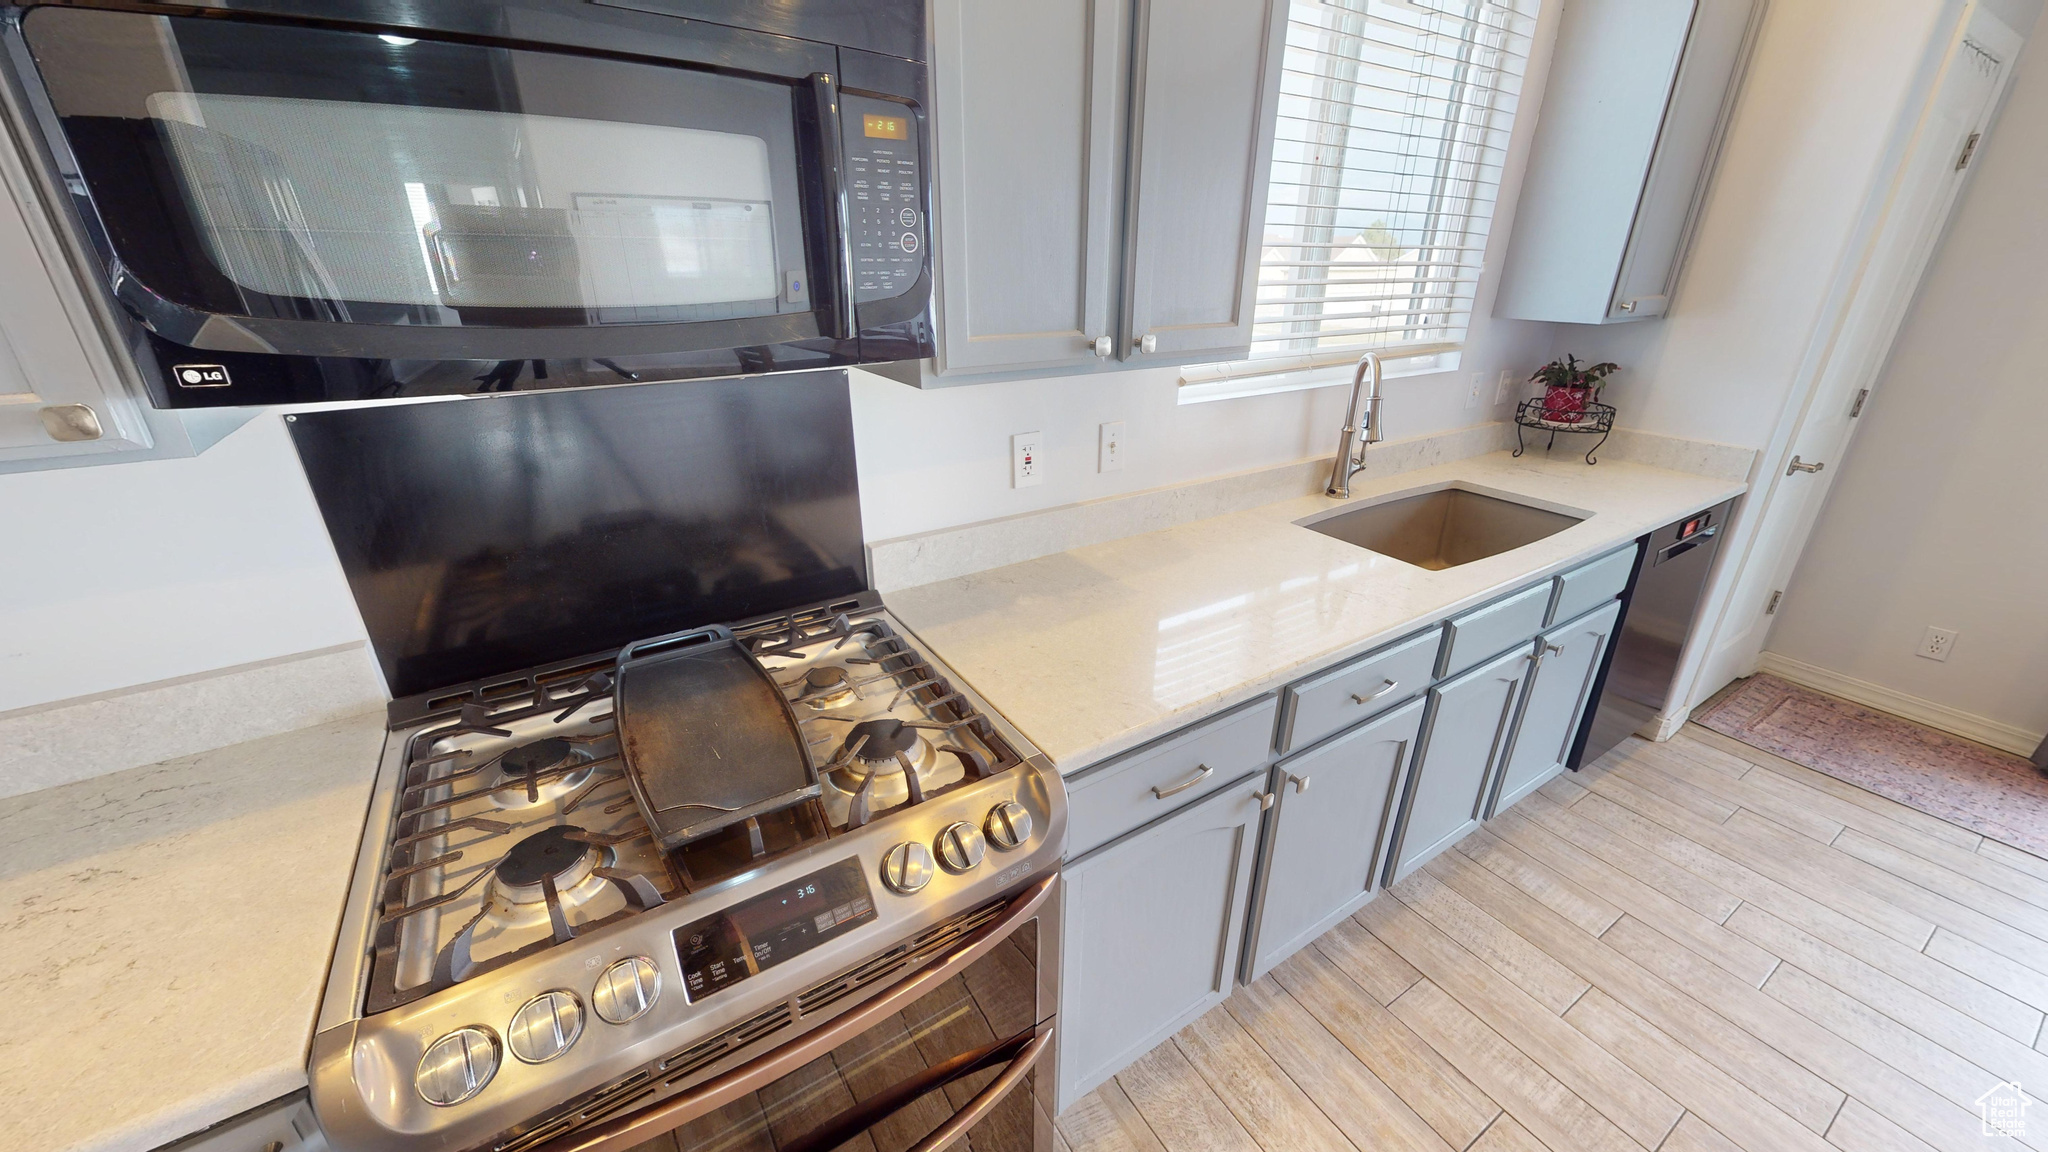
[1203, 102]
[1637, 100]
[1101, 178]
[1327, 834]
[1151, 932]
[1028, 117]
[1470, 725]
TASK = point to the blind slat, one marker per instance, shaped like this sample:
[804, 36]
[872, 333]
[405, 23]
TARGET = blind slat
[1395, 115]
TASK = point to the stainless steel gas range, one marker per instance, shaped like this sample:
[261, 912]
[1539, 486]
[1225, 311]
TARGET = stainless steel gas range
[558, 940]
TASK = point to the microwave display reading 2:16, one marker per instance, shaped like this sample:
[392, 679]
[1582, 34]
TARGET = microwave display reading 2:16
[884, 127]
[754, 935]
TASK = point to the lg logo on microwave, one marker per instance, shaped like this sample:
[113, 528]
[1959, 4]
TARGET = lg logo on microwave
[201, 376]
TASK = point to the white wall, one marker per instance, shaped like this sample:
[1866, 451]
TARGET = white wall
[1818, 110]
[1937, 518]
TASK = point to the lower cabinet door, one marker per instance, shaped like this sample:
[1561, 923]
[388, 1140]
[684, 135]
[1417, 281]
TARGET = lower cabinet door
[1464, 737]
[1327, 837]
[1559, 684]
[1151, 933]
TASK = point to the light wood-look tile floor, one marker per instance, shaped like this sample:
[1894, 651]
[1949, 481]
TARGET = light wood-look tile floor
[1688, 947]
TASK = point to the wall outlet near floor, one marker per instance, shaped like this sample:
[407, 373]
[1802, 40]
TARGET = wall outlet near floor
[1937, 643]
[1505, 390]
[1476, 395]
[1110, 457]
[1027, 468]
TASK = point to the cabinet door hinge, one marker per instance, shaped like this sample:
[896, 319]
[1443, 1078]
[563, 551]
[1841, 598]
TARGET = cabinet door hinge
[1857, 409]
[1969, 149]
[1771, 609]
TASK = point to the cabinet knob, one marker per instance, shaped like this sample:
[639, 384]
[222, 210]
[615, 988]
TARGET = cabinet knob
[1104, 346]
[1552, 649]
[1147, 343]
[1798, 466]
[1265, 799]
[1300, 783]
[72, 423]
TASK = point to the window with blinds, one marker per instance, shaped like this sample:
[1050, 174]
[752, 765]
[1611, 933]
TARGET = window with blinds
[1393, 128]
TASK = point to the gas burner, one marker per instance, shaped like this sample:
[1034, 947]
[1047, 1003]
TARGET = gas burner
[550, 854]
[539, 772]
[828, 686]
[880, 741]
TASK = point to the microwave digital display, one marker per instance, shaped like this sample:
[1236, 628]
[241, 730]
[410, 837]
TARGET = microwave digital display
[885, 127]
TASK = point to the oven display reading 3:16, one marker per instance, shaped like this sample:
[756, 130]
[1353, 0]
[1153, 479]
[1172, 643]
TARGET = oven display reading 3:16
[754, 935]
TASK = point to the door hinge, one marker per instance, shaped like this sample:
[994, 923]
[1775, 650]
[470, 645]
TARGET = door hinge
[1771, 609]
[1969, 149]
[1857, 409]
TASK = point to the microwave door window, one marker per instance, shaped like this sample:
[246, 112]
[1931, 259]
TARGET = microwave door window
[446, 208]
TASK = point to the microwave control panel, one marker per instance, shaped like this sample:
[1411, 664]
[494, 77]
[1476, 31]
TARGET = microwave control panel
[885, 196]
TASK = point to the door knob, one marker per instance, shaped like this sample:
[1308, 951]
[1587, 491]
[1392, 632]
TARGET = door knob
[1148, 343]
[1104, 346]
[1796, 466]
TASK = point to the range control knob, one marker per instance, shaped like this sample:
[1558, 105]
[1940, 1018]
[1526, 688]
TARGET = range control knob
[626, 990]
[456, 1067]
[960, 847]
[1008, 825]
[545, 1027]
[907, 868]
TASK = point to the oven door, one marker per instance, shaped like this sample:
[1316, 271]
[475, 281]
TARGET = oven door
[296, 212]
[960, 1051]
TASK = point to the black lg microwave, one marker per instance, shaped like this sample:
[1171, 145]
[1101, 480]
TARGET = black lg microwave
[321, 200]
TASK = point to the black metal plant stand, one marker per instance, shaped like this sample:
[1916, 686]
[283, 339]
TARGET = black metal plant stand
[1597, 419]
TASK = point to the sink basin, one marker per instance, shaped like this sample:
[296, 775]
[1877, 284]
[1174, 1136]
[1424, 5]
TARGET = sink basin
[1442, 528]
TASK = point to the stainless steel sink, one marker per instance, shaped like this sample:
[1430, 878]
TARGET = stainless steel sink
[1442, 529]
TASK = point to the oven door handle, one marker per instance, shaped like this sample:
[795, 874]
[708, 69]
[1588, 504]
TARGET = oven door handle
[1018, 1055]
[634, 1128]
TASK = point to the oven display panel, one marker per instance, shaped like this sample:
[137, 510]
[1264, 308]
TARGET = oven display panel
[754, 935]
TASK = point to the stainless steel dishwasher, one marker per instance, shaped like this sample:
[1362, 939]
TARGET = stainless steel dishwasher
[1659, 604]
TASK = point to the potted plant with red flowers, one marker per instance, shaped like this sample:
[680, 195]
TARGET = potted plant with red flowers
[1568, 387]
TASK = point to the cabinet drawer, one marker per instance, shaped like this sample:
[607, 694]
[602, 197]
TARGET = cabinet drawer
[1106, 802]
[1586, 587]
[1356, 691]
[1494, 629]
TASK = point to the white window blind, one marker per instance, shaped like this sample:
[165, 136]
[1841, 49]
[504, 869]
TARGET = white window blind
[1393, 129]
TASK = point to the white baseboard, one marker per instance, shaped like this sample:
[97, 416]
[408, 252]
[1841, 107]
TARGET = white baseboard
[1968, 725]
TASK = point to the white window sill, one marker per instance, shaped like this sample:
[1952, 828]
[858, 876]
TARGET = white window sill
[1201, 384]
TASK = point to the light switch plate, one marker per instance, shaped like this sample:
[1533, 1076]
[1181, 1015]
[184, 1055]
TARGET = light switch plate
[1506, 390]
[1027, 465]
[1476, 394]
[1111, 455]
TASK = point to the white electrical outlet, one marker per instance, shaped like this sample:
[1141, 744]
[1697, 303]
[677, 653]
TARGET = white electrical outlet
[1476, 395]
[1027, 468]
[1111, 456]
[1506, 389]
[1937, 643]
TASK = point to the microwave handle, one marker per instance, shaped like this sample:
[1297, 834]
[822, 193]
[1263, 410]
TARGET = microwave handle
[839, 320]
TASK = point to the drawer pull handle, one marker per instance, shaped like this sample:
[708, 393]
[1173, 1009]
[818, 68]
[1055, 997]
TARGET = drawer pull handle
[1369, 697]
[1300, 783]
[1265, 799]
[1202, 772]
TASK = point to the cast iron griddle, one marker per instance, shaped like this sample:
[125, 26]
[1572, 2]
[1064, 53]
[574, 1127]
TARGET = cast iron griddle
[706, 737]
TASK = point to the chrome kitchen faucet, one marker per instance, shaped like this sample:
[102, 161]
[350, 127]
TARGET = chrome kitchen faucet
[1347, 465]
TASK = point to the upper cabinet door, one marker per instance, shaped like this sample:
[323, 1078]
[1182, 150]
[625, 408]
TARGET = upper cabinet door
[1633, 114]
[1206, 79]
[60, 392]
[1028, 105]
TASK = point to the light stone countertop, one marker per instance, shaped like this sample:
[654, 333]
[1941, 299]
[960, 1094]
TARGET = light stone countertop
[1096, 650]
[165, 933]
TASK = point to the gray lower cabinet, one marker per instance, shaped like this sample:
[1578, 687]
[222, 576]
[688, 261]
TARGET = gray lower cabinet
[1327, 835]
[1469, 728]
[1151, 933]
[1560, 681]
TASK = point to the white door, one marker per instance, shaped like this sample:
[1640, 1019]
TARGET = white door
[1972, 76]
